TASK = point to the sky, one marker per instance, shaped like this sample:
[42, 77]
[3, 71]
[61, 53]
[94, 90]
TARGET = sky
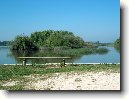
[92, 20]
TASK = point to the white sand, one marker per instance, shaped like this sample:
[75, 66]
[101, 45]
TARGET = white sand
[76, 81]
[11, 83]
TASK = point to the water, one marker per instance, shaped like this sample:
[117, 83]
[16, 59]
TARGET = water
[113, 56]
[5, 57]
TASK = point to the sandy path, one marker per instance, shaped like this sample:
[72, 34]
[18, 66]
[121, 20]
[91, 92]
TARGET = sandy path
[76, 81]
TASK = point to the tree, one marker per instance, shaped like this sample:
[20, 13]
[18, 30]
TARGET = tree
[22, 42]
[48, 38]
[53, 38]
[117, 44]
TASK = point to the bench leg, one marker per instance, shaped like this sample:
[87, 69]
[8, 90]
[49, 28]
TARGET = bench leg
[63, 62]
[24, 62]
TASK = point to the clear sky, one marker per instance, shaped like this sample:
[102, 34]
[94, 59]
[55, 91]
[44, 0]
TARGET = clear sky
[92, 20]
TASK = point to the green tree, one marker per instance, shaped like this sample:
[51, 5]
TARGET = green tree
[47, 38]
[22, 42]
[53, 38]
[117, 44]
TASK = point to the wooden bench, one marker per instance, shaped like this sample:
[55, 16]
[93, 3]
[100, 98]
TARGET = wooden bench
[25, 58]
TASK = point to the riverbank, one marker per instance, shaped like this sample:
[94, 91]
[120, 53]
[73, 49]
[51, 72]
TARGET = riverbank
[79, 77]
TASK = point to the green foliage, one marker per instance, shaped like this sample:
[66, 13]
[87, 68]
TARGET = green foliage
[90, 45]
[75, 52]
[117, 44]
[20, 73]
[5, 43]
[102, 50]
[51, 38]
[15, 87]
[15, 72]
[22, 42]
[40, 37]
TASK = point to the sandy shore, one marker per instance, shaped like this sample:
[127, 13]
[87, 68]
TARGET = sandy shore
[75, 81]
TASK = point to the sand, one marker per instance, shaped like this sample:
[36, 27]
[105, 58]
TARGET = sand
[75, 81]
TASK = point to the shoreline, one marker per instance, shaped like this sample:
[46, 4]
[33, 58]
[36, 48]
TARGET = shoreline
[59, 63]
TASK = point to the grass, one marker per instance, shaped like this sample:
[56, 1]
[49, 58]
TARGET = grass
[78, 52]
[11, 72]
[67, 52]
[17, 73]
[102, 50]
[15, 87]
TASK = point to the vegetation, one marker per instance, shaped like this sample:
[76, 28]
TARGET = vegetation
[90, 45]
[51, 38]
[15, 87]
[5, 43]
[22, 42]
[18, 73]
[56, 52]
[15, 72]
[81, 51]
[53, 43]
[117, 43]
[103, 44]
[48, 38]
[102, 50]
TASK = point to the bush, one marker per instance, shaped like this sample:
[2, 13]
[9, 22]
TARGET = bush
[117, 44]
[102, 50]
[23, 43]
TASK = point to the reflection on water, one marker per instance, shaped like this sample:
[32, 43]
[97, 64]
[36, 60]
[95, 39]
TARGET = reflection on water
[43, 53]
[117, 49]
[111, 57]
[9, 57]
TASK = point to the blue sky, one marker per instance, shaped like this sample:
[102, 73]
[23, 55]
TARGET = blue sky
[92, 20]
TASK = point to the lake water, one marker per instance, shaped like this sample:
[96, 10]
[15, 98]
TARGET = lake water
[113, 56]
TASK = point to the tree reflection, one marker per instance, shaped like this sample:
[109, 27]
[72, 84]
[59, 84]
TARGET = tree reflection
[117, 49]
[45, 53]
[76, 54]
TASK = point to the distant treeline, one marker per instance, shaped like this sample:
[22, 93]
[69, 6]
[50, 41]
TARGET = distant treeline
[5, 43]
[103, 44]
[47, 38]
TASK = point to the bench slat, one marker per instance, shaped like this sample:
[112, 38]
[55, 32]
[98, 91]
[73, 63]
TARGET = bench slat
[25, 58]
[44, 57]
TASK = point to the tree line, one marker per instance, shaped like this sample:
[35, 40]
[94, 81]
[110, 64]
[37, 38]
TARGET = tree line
[5, 43]
[47, 38]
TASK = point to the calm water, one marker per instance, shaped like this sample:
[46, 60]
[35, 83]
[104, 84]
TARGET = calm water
[113, 56]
